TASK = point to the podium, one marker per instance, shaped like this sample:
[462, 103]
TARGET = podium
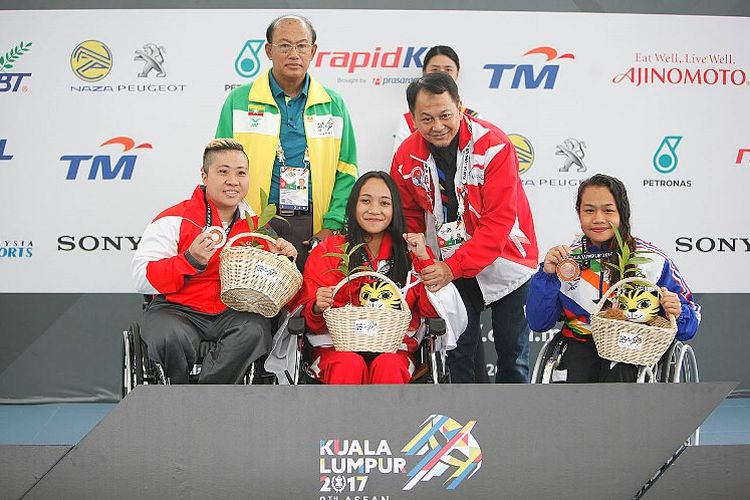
[389, 442]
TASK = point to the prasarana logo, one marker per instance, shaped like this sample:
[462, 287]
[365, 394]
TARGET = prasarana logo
[446, 446]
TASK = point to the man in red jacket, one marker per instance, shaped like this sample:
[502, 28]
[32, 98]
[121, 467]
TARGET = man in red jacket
[459, 184]
[177, 262]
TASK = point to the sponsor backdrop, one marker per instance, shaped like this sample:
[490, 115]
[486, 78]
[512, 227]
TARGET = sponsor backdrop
[104, 115]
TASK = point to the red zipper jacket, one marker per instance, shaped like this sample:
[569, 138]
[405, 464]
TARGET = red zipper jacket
[160, 267]
[501, 249]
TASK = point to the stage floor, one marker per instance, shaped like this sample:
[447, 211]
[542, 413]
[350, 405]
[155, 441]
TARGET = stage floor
[68, 423]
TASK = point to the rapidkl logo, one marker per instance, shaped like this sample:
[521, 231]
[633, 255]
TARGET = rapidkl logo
[3, 155]
[525, 76]
[400, 57]
[101, 165]
[11, 82]
[740, 155]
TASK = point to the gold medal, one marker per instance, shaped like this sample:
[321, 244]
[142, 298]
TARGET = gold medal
[568, 270]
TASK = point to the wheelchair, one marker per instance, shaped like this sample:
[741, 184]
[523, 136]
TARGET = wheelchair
[430, 358]
[139, 369]
[677, 365]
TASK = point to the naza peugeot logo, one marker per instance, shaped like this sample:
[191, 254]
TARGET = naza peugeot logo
[524, 75]
[101, 165]
[91, 243]
[707, 244]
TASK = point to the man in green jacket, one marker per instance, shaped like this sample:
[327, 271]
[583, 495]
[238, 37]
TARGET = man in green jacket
[293, 128]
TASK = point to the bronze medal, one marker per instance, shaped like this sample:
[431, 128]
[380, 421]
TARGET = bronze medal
[218, 236]
[568, 270]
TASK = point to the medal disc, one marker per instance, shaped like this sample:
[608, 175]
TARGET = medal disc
[218, 236]
[567, 270]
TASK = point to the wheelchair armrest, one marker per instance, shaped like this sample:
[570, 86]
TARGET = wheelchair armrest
[436, 326]
[296, 326]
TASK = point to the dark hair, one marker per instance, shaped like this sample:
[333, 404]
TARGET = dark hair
[620, 194]
[434, 83]
[441, 50]
[355, 235]
[275, 24]
[218, 145]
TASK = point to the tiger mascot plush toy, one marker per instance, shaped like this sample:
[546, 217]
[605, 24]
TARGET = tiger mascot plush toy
[639, 306]
[379, 294]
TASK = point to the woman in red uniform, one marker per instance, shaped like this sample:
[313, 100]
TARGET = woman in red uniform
[374, 217]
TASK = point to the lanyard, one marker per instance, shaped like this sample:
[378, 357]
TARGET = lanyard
[281, 156]
[585, 256]
[209, 218]
[460, 190]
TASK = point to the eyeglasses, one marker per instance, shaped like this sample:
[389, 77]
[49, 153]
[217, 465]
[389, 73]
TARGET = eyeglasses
[302, 48]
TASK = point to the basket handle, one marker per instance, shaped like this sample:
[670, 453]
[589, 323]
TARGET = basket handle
[254, 235]
[374, 274]
[600, 304]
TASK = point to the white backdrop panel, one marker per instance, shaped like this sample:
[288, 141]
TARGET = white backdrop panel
[78, 235]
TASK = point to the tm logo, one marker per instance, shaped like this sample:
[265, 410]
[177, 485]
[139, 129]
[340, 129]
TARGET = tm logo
[3, 156]
[665, 158]
[124, 165]
[247, 63]
[523, 74]
[11, 82]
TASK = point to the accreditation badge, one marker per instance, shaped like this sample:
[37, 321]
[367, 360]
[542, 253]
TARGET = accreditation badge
[294, 184]
[450, 236]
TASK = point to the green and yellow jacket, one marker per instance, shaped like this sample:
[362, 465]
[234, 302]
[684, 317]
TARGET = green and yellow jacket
[250, 116]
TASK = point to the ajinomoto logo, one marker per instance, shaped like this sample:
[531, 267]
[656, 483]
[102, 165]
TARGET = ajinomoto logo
[91, 60]
[524, 151]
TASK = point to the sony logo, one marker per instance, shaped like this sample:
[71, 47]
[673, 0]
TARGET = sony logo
[91, 243]
[706, 244]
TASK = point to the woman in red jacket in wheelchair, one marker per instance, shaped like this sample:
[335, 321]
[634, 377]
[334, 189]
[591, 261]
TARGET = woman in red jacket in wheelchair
[375, 218]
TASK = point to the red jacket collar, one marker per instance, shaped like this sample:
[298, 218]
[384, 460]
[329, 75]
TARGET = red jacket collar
[385, 251]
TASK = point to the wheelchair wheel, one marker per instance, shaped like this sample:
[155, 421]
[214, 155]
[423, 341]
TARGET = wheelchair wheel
[686, 366]
[439, 373]
[548, 359]
[127, 374]
[132, 362]
[138, 354]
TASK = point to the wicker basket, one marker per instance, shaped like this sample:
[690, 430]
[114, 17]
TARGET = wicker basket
[629, 342]
[256, 280]
[367, 329]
